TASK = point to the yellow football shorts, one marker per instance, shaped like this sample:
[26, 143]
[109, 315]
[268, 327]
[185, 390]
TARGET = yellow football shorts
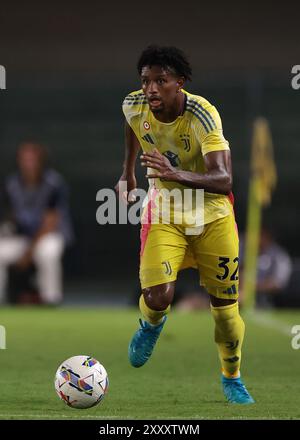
[166, 249]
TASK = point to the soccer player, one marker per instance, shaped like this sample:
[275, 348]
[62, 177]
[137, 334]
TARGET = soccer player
[183, 147]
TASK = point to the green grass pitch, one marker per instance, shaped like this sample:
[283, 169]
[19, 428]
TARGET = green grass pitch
[181, 380]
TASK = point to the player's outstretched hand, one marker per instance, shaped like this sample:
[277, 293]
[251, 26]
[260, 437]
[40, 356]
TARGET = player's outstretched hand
[160, 163]
[126, 187]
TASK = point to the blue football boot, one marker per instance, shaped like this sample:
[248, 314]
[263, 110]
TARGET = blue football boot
[235, 391]
[143, 342]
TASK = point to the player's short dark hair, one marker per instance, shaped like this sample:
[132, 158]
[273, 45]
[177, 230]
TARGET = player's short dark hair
[167, 57]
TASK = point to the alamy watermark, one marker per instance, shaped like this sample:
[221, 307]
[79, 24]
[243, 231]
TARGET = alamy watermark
[2, 78]
[2, 338]
[296, 79]
[181, 207]
[296, 339]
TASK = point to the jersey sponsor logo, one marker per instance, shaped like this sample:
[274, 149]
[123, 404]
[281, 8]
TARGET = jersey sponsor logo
[146, 125]
[185, 138]
[167, 267]
[148, 138]
[172, 157]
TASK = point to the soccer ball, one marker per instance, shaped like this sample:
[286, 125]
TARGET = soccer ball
[81, 382]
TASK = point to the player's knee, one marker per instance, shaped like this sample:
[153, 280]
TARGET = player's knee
[159, 297]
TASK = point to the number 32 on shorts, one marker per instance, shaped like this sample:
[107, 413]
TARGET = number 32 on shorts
[224, 263]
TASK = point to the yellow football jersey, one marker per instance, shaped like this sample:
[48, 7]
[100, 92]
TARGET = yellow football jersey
[183, 141]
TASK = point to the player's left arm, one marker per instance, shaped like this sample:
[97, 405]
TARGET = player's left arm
[217, 178]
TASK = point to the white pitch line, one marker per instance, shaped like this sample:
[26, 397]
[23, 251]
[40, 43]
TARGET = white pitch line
[195, 417]
[268, 321]
[60, 417]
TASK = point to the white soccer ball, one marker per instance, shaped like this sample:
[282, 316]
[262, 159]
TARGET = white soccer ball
[81, 382]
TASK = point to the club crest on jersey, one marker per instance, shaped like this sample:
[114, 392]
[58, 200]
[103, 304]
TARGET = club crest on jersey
[146, 125]
[168, 267]
[186, 140]
[173, 158]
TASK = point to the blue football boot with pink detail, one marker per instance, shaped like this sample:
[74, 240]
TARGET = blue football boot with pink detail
[143, 342]
[235, 391]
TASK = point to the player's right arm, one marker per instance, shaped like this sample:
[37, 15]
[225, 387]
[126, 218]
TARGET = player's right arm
[132, 147]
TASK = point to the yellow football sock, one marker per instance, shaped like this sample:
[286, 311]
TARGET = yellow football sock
[229, 335]
[153, 316]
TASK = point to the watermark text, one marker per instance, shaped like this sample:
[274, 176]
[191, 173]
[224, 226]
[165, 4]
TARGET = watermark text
[2, 338]
[296, 339]
[175, 206]
[2, 78]
[296, 79]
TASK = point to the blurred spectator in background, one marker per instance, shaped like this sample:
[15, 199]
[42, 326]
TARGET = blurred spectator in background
[274, 268]
[36, 226]
[193, 299]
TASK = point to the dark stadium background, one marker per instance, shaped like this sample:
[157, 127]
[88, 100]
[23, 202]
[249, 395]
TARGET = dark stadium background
[69, 66]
